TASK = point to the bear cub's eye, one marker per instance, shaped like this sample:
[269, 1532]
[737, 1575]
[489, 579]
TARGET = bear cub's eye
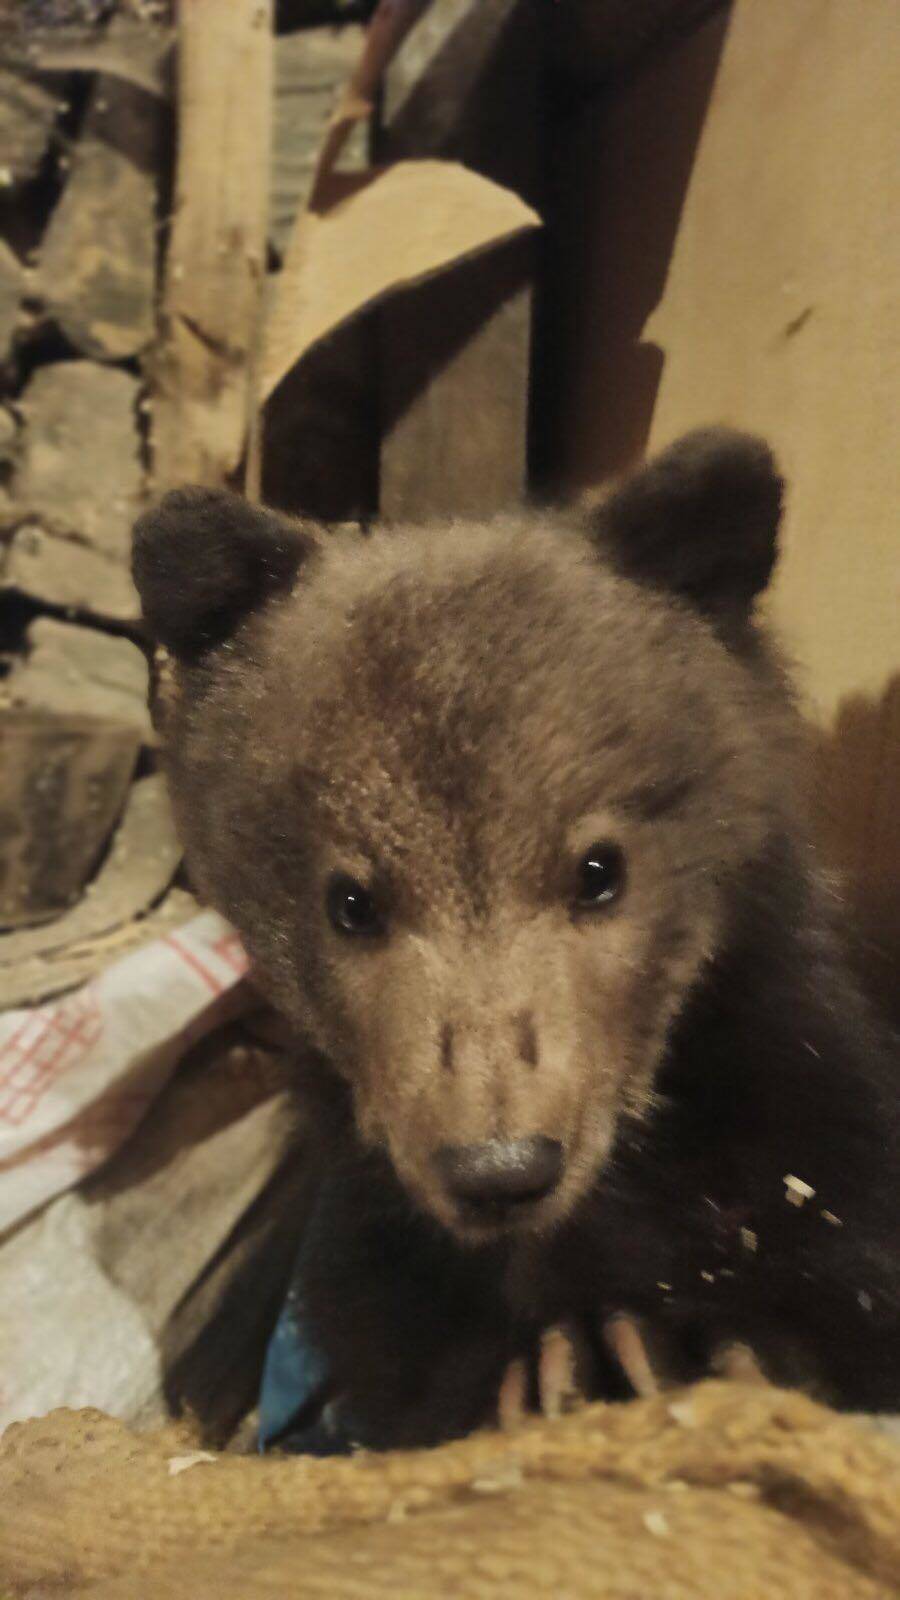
[351, 907]
[600, 876]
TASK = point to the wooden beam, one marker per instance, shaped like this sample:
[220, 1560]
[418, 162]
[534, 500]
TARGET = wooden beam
[216, 263]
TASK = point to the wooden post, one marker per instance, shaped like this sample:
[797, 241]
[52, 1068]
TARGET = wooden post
[217, 255]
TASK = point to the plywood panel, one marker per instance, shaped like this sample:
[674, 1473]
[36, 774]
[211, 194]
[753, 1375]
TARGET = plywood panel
[765, 293]
[455, 352]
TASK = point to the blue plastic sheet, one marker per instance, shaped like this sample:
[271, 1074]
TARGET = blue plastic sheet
[298, 1411]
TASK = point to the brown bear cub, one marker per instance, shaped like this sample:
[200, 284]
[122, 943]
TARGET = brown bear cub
[510, 818]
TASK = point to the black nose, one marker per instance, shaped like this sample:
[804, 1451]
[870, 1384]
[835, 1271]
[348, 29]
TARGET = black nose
[501, 1172]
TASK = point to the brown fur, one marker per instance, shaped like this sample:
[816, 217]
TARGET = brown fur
[457, 723]
[452, 716]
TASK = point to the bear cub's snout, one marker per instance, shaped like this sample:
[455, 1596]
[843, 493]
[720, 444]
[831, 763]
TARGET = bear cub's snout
[497, 1178]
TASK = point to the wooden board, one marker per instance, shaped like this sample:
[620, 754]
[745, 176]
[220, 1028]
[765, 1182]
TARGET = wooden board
[311, 68]
[454, 390]
[455, 354]
[732, 249]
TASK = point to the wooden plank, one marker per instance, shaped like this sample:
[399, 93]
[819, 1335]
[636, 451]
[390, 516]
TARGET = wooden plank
[454, 394]
[454, 353]
[715, 283]
[310, 70]
[403, 225]
[217, 254]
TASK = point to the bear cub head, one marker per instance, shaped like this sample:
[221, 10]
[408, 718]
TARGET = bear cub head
[485, 800]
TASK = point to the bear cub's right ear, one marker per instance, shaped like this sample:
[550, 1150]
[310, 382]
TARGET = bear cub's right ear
[203, 559]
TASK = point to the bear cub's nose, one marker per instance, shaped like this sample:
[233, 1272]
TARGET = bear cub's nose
[501, 1172]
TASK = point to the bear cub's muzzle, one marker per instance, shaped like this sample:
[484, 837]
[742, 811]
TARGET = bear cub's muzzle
[491, 1181]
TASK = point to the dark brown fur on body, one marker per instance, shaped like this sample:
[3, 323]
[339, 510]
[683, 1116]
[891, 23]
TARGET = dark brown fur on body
[452, 717]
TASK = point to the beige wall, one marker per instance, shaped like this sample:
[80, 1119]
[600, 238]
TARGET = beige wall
[739, 261]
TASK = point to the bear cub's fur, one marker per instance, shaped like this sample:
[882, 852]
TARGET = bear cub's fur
[510, 819]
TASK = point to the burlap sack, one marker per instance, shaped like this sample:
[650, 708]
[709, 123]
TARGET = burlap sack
[721, 1491]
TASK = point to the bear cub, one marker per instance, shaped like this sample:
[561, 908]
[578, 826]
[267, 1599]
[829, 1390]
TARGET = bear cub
[510, 817]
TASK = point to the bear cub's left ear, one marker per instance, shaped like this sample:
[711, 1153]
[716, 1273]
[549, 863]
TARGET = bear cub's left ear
[203, 559]
[700, 521]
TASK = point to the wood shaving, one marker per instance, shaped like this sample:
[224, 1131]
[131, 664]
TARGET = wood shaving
[505, 1476]
[178, 1464]
[797, 1191]
[656, 1523]
[682, 1412]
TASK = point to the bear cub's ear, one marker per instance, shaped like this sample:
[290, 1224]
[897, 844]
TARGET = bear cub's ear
[700, 521]
[204, 558]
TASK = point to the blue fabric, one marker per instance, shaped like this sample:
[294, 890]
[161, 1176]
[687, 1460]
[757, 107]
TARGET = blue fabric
[294, 1381]
[296, 1409]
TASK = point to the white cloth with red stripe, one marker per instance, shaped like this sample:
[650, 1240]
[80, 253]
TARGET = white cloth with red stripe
[77, 1074]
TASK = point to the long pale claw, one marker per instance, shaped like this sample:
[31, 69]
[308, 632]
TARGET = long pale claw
[512, 1400]
[625, 1343]
[561, 1376]
[562, 1371]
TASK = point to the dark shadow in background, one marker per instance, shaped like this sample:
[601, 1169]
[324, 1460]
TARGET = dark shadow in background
[320, 448]
[446, 313]
[620, 173]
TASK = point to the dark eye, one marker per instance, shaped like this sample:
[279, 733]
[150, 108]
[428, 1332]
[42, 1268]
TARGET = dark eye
[601, 874]
[351, 907]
